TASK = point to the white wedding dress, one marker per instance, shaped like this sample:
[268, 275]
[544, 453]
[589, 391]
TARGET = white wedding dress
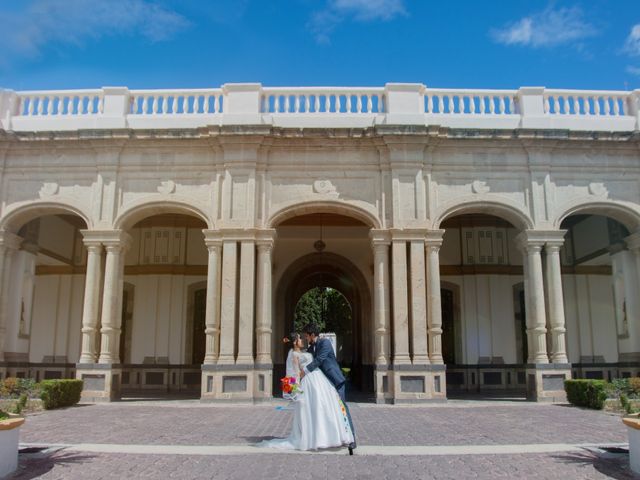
[320, 420]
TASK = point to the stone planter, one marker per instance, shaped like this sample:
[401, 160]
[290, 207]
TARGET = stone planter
[9, 439]
[633, 429]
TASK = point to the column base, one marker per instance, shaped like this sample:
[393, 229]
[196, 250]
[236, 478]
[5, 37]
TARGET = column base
[102, 381]
[545, 382]
[236, 383]
[411, 384]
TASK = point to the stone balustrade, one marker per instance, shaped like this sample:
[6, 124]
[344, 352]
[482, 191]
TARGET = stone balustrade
[320, 107]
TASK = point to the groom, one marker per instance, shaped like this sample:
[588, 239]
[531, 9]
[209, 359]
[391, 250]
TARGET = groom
[325, 359]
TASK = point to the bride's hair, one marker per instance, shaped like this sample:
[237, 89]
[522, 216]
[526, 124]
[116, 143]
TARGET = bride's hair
[293, 336]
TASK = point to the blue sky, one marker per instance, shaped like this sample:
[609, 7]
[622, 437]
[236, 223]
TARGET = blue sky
[60, 44]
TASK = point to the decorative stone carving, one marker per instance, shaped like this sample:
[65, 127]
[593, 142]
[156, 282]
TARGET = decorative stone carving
[49, 189]
[598, 189]
[478, 186]
[325, 187]
[167, 187]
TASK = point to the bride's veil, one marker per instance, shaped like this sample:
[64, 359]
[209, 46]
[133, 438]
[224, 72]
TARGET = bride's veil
[291, 370]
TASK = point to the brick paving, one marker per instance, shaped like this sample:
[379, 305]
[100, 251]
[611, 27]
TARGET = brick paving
[193, 424]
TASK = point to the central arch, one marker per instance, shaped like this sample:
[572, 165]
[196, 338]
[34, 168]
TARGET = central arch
[328, 269]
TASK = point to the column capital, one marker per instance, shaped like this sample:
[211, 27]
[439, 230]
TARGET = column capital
[265, 238]
[10, 240]
[434, 238]
[212, 238]
[408, 234]
[379, 237]
[108, 238]
[536, 239]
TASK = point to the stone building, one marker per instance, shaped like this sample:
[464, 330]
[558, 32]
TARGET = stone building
[160, 239]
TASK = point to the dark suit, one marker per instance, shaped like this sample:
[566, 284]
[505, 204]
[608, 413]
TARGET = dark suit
[325, 359]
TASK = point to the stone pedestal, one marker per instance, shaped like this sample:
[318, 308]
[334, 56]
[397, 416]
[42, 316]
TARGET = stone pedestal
[633, 430]
[416, 383]
[236, 383]
[383, 384]
[101, 381]
[545, 382]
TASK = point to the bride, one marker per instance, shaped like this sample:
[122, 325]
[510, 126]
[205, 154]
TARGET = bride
[320, 419]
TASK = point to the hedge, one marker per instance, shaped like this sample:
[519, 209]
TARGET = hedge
[60, 393]
[586, 393]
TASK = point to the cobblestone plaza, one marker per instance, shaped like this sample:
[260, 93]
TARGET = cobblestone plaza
[460, 439]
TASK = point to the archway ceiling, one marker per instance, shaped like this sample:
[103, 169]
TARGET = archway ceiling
[324, 219]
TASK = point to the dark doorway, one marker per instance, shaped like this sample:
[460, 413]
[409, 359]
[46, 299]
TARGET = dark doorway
[448, 327]
[199, 337]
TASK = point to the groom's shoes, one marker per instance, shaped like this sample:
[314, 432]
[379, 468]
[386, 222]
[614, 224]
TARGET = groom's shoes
[352, 447]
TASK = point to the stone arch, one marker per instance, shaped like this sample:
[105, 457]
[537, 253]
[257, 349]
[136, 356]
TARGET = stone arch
[627, 216]
[19, 216]
[327, 206]
[133, 214]
[339, 273]
[514, 215]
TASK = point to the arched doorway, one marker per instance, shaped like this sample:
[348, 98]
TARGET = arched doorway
[342, 263]
[42, 312]
[600, 285]
[329, 309]
[480, 264]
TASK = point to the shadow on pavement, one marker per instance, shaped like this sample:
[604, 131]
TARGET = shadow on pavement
[33, 466]
[613, 465]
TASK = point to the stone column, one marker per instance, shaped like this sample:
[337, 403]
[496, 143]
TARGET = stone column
[418, 303]
[91, 298]
[112, 297]
[263, 301]
[246, 299]
[534, 290]
[9, 243]
[381, 296]
[212, 314]
[228, 303]
[434, 306]
[556, 301]
[400, 304]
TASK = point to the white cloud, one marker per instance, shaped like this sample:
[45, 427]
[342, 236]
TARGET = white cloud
[633, 70]
[73, 22]
[632, 45]
[324, 22]
[548, 28]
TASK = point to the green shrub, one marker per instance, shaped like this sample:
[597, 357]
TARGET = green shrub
[3, 415]
[20, 404]
[12, 387]
[586, 393]
[60, 393]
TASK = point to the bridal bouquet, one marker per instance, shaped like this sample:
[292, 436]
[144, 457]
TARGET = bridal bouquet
[290, 387]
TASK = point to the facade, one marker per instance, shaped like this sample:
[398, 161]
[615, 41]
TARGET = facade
[160, 240]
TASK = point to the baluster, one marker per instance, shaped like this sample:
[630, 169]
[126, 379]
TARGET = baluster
[359, 100]
[596, 105]
[576, 106]
[502, 105]
[29, 101]
[79, 105]
[50, 105]
[616, 106]
[381, 108]
[40, 105]
[607, 105]
[369, 103]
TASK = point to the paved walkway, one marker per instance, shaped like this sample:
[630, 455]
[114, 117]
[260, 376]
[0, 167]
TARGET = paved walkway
[459, 439]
